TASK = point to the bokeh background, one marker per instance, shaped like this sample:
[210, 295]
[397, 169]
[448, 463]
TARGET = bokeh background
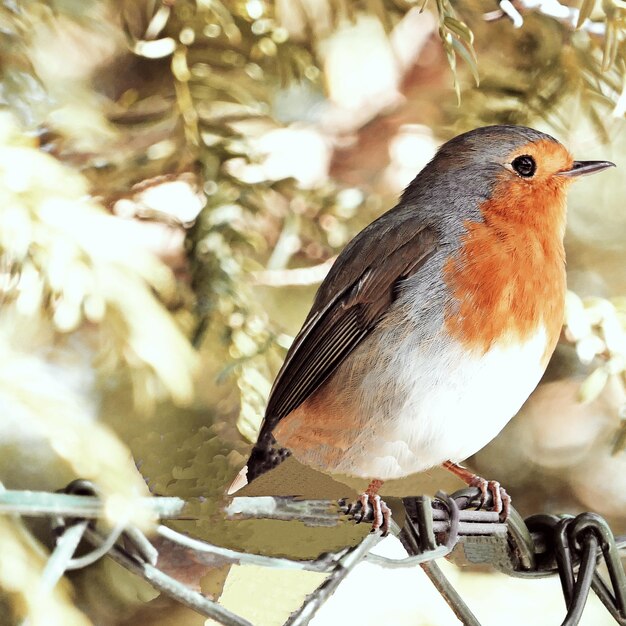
[176, 177]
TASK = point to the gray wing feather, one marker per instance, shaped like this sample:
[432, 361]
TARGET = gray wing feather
[348, 306]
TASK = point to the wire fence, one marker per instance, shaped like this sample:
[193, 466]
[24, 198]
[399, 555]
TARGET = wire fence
[444, 526]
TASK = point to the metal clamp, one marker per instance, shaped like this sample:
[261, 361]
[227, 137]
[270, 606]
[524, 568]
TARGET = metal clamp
[541, 546]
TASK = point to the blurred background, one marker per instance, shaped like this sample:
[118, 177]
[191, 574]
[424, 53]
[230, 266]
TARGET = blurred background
[177, 176]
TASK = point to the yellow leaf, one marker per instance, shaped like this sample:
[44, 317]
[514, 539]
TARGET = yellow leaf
[585, 11]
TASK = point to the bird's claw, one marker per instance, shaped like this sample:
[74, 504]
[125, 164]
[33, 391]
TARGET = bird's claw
[501, 501]
[380, 512]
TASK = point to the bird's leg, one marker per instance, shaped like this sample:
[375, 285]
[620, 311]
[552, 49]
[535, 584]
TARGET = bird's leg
[501, 499]
[382, 513]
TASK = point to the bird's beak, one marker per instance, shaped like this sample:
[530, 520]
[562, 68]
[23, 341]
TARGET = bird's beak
[582, 168]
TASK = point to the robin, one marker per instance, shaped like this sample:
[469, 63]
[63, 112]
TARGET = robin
[434, 324]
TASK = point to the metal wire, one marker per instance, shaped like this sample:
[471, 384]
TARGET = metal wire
[46, 504]
[102, 550]
[565, 547]
[233, 556]
[315, 600]
[454, 518]
[580, 592]
[409, 561]
[168, 585]
[60, 558]
[418, 537]
[449, 594]
[446, 526]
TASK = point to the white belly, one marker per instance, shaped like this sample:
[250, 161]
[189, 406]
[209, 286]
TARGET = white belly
[444, 404]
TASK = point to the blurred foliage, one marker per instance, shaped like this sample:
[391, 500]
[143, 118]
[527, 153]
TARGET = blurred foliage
[546, 66]
[457, 39]
[67, 265]
[122, 350]
[21, 569]
[65, 257]
[597, 327]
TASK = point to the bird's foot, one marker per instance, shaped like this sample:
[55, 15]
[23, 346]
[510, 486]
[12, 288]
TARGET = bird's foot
[381, 512]
[501, 500]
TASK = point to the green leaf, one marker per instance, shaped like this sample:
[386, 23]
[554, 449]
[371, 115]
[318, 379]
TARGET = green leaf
[460, 29]
[468, 55]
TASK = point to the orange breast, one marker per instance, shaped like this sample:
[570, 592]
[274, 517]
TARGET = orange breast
[509, 276]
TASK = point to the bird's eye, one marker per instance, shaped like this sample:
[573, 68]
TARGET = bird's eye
[524, 165]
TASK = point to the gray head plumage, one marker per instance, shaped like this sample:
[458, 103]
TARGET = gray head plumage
[489, 143]
[479, 154]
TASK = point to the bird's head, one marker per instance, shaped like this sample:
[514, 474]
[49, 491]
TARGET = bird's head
[524, 173]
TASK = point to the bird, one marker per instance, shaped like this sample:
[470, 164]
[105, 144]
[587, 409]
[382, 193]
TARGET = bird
[434, 324]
